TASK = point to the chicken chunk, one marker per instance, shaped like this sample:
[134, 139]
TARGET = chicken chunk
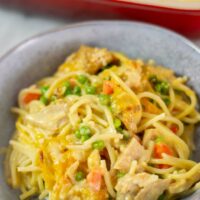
[130, 71]
[133, 78]
[132, 184]
[148, 193]
[139, 187]
[134, 151]
[50, 117]
[89, 59]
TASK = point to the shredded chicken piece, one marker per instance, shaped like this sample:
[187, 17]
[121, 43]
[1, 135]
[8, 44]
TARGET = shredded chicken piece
[50, 117]
[153, 191]
[132, 76]
[139, 187]
[89, 59]
[134, 151]
[133, 183]
[127, 117]
[127, 109]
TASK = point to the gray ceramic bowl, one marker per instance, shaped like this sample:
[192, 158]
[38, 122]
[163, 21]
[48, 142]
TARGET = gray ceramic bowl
[40, 56]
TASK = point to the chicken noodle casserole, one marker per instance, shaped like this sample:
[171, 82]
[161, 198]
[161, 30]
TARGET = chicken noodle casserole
[105, 126]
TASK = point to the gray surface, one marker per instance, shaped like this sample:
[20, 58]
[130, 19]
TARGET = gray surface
[17, 26]
[40, 56]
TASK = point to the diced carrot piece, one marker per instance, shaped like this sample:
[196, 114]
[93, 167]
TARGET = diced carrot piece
[30, 97]
[174, 128]
[159, 149]
[107, 87]
[150, 107]
[72, 82]
[94, 179]
[163, 166]
[175, 111]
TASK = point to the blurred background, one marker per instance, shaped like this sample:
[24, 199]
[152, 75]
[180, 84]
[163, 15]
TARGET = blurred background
[21, 19]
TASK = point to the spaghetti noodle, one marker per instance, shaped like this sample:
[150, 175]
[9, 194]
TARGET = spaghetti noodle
[105, 126]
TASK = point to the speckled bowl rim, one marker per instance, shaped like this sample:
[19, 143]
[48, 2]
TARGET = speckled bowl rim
[159, 29]
[97, 22]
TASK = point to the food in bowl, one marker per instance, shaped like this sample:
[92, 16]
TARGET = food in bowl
[105, 126]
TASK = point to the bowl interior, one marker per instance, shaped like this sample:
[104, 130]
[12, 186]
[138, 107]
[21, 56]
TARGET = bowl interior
[41, 55]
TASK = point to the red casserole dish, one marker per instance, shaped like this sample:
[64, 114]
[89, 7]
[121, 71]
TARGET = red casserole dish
[183, 20]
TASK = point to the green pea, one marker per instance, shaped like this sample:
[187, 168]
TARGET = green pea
[79, 176]
[162, 87]
[53, 98]
[162, 197]
[126, 136]
[67, 84]
[158, 87]
[159, 139]
[78, 134]
[165, 88]
[77, 90]
[44, 100]
[110, 108]
[44, 89]
[85, 130]
[117, 123]
[90, 89]
[85, 137]
[104, 99]
[120, 174]
[84, 133]
[82, 79]
[167, 101]
[98, 145]
[68, 91]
